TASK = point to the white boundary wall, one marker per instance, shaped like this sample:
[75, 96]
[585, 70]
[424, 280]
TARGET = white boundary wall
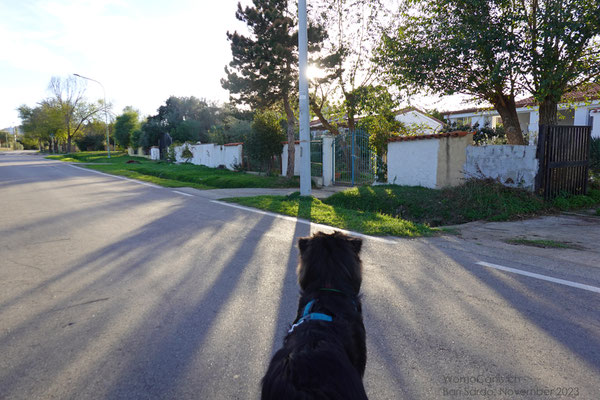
[413, 163]
[511, 165]
[212, 155]
[284, 160]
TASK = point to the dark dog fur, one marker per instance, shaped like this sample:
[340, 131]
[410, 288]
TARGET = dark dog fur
[323, 359]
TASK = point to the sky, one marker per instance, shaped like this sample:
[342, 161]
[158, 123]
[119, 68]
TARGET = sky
[142, 51]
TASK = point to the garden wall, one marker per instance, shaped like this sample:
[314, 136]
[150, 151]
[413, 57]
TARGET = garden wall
[432, 161]
[514, 166]
[212, 155]
[284, 159]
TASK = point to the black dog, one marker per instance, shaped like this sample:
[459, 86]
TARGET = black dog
[324, 353]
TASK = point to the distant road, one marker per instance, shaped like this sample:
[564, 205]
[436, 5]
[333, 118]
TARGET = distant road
[111, 289]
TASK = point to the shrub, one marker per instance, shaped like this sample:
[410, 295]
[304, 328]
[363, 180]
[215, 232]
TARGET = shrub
[186, 153]
[264, 141]
[483, 135]
[170, 156]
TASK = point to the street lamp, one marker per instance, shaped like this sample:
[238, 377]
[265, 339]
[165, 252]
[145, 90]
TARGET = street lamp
[105, 110]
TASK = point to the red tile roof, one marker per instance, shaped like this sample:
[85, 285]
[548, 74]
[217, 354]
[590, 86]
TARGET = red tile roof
[433, 136]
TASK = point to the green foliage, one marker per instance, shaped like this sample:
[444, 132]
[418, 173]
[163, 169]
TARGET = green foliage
[484, 135]
[186, 153]
[265, 139]
[494, 50]
[189, 131]
[171, 156]
[69, 101]
[125, 125]
[230, 130]
[93, 138]
[175, 175]
[134, 139]
[474, 200]
[41, 123]
[263, 71]
[151, 132]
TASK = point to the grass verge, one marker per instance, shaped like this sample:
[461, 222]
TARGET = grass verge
[543, 243]
[472, 201]
[413, 211]
[174, 175]
[313, 209]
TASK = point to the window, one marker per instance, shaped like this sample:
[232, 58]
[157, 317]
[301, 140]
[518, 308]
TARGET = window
[463, 121]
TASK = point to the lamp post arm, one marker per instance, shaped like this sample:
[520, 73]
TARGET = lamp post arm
[105, 110]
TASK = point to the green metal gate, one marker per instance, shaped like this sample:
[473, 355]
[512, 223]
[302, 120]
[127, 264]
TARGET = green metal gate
[354, 162]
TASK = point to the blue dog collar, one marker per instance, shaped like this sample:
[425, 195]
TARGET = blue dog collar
[308, 316]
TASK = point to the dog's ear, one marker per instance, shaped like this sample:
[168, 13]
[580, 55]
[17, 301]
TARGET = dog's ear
[356, 244]
[303, 244]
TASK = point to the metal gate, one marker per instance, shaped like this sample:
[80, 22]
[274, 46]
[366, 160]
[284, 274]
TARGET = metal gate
[354, 162]
[563, 153]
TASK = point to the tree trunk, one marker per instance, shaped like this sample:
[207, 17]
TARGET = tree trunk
[291, 125]
[317, 110]
[505, 105]
[350, 110]
[549, 112]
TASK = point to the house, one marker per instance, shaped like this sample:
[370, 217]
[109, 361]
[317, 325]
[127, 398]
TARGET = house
[410, 116]
[579, 108]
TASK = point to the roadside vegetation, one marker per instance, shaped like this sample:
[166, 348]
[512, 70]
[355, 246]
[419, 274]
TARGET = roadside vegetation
[543, 243]
[408, 211]
[417, 211]
[174, 175]
[318, 211]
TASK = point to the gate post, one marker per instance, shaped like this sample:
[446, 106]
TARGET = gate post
[328, 169]
[541, 157]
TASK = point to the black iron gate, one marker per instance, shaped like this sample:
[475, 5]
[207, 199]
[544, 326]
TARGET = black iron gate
[563, 154]
[355, 162]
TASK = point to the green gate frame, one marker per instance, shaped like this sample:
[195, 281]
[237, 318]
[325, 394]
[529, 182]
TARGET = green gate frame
[354, 163]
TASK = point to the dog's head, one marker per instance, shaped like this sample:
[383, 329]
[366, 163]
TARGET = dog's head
[330, 261]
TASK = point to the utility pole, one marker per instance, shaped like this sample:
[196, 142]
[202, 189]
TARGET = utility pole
[304, 120]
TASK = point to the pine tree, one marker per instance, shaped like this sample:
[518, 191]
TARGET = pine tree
[264, 69]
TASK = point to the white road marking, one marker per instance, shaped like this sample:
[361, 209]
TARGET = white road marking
[542, 277]
[184, 194]
[303, 221]
[117, 176]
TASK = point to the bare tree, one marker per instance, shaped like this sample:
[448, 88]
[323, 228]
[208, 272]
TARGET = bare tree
[69, 97]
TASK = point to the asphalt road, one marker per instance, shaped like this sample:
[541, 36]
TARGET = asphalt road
[111, 289]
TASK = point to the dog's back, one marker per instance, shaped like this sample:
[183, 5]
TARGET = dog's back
[324, 354]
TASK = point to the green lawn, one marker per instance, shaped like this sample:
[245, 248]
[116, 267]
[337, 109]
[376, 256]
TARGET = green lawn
[174, 175]
[416, 211]
[472, 201]
[315, 210]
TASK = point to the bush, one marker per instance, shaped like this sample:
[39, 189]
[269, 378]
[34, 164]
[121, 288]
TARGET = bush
[91, 142]
[186, 153]
[483, 135]
[134, 140]
[170, 156]
[264, 141]
[125, 125]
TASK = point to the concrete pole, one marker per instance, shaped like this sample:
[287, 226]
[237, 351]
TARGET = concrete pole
[305, 189]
